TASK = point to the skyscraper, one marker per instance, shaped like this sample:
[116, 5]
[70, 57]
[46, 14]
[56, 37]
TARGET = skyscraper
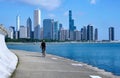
[13, 28]
[17, 26]
[59, 31]
[41, 33]
[48, 29]
[71, 21]
[111, 33]
[37, 23]
[23, 32]
[17, 23]
[64, 34]
[90, 33]
[96, 34]
[29, 28]
[55, 31]
[84, 33]
[77, 35]
[71, 25]
[10, 33]
[60, 26]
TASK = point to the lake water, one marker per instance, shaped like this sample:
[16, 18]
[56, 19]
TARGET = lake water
[102, 55]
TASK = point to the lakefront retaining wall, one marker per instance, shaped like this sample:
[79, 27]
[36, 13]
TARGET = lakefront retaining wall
[8, 60]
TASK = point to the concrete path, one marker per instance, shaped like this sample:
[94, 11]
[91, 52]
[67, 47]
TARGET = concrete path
[33, 65]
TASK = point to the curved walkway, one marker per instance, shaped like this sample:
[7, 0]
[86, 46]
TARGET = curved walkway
[33, 65]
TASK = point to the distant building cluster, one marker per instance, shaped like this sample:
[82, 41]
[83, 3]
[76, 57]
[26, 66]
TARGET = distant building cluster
[53, 30]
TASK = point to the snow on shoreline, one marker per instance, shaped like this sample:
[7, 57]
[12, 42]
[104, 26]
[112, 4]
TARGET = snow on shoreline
[8, 60]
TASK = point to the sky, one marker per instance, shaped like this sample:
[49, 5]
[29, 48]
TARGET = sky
[101, 14]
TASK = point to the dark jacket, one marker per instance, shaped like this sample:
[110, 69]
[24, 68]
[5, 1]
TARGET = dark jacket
[43, 45]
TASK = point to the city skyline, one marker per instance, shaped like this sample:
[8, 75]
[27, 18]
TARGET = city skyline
[100, 14]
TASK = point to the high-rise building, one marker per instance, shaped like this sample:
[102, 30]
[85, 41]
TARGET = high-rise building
[13, 29]
[96, 35]
[71, 26]
[71, 21]
[111, 33]
[32, 35]
[23, 32]
[29, 28]
[17, 23]
[71, 35]
[48, 29]
[41, 33]
[55, 31]
[37, 23]
[77, 35]
[60, 26]
[84, 33]
[10, 33]
[90, 33]
[17, 26]
[64, 34]
[59, 31]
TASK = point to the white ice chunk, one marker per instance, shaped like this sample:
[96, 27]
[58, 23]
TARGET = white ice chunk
[76, 64]
[54, 58]
[93, 76]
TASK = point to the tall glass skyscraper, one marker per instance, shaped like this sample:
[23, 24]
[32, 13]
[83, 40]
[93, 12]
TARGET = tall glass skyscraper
[111, 33]
[17, 26]
[55, 31]
[37, 23]
[17, 23]
[48, 29]
[96, 34]
[71, 26]
[59, 31]
[71, 22]
[29, 28]
[84, 33]
[90, 33]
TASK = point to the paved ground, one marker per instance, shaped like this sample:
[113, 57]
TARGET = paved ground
[33, 65]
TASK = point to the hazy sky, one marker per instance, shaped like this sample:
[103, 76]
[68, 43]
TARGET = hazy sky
[99, 13]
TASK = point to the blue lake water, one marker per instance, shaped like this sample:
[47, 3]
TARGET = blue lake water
[102, 55]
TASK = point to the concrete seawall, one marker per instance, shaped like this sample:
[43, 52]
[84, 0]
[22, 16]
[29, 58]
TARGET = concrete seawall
[8, 60]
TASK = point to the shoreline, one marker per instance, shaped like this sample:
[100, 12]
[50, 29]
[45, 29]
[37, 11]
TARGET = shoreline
[80, 61]
[99, 71]
[104, 72]
[63, 43]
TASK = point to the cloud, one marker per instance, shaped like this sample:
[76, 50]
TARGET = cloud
[47, 4]
[93, 1]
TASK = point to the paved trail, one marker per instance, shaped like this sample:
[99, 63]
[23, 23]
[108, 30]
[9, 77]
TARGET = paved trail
[33, 65]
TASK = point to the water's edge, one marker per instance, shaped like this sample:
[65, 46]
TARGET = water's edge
[100, 71]
[53, 53]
